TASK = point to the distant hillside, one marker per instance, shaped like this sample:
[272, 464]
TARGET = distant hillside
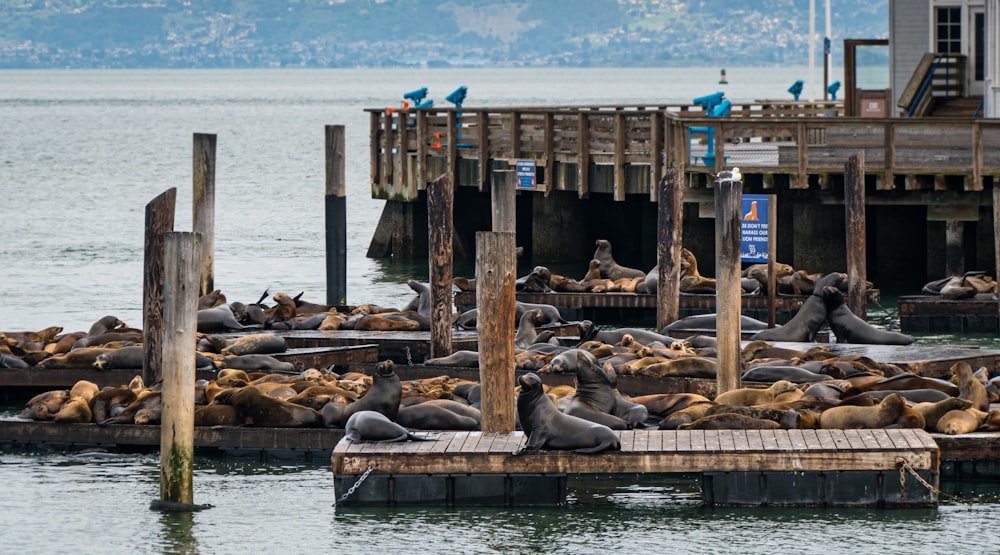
[358, 33]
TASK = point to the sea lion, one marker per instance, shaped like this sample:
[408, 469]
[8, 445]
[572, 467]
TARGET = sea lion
[641, 335]
[850, 329]
[383, 396]
[546, 427]
[709, 322]
[256, 344]
[683, 367]
[611, 269]
[80, 358]
[730, 421]
[369, 425]
[435, 415]
[853, 417]
[806, 322]
[526, 332]
[932, 412]
[75, 411]
[219, 318]
[924, 395]
[969, 386]
[462, 358]
[747, 396]
[215, 415]
[211, 300]
[662, 404]
[423, 300]
[253, 408]
[253, 363]
[686, 415]
[773, 373]
[597, 398]
[11, 361]
[955, 422]
[104, 325]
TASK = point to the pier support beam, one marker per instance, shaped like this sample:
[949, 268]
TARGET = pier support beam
[495, 300]
[559, 228]
[204, 206]
[728, 296]
[336, 217]
[159, 221]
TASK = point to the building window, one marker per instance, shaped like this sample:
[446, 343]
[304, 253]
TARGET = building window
[949, 30]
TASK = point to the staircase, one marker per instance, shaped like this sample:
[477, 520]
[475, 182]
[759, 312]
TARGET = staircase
[937, 78]
[967, 107]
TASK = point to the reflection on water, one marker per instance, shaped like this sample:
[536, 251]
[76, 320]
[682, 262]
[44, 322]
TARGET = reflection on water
[103, 502]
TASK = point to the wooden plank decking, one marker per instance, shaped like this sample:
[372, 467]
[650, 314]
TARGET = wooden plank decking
[650, 451]
[400, 346]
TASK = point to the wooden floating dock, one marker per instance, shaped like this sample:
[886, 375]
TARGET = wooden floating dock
[934, 314]
[739, 467]
[606, 306]
[934, 361]
[404, 347]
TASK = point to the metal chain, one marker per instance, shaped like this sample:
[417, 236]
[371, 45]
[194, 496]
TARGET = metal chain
[409, 359]
[904, 466]
[357, 484]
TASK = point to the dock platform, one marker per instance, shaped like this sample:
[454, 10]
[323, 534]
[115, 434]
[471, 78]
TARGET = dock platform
[934, 314]
[404, 347]
[738, 467]
[614, 306]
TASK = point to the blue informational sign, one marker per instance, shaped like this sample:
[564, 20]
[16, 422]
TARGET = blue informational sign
[525, 174]
[754, 229]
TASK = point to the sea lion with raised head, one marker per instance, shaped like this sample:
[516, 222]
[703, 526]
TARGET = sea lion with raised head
[547, 428]
[611, 269]
[850, 329]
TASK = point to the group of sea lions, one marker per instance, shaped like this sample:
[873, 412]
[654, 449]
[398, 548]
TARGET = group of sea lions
[605, 275]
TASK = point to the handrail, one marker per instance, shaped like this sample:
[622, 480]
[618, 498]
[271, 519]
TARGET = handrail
[923, 86]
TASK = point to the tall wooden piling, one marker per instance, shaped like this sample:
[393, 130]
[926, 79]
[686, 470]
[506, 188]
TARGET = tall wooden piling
[159, 221]
[502, 200]
[440, 226]
[854, 202]
[670, 226]
[495, 301]
[728, 299]
[183, 268]
[203, 173]
[336, 217]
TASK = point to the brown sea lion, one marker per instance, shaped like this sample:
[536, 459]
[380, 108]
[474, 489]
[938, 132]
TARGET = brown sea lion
[611, 269]
[211, 300]
[662, 404]
[683, 367]
[932, 412]
[546, 427]
[216, 415]
[688, 414]
[851, 417]
[969, 386]
[75, 411]
[80, 358]
[256, 409]
[431, 415]
[284, 309]
[747, 396]
[256, 343]
[955, 422]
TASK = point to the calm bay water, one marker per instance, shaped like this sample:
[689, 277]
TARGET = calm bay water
[82, 152]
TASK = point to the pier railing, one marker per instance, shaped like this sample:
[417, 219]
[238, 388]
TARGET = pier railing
[626, 149]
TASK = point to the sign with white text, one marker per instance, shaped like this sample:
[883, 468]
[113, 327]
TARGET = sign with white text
[754, 229]
[525, 174]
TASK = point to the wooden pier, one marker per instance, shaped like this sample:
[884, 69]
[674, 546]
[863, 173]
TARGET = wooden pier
[405, 347]
[784, 467]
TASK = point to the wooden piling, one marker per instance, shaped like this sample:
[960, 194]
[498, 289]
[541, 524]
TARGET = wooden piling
[183, 261]
[336, 217]
[495, 277]
[954, 259]
[502, 200]
[854, 203]
[159, 221]
[204, 206]
[670, 226]
[728, 299]
[440, 225]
